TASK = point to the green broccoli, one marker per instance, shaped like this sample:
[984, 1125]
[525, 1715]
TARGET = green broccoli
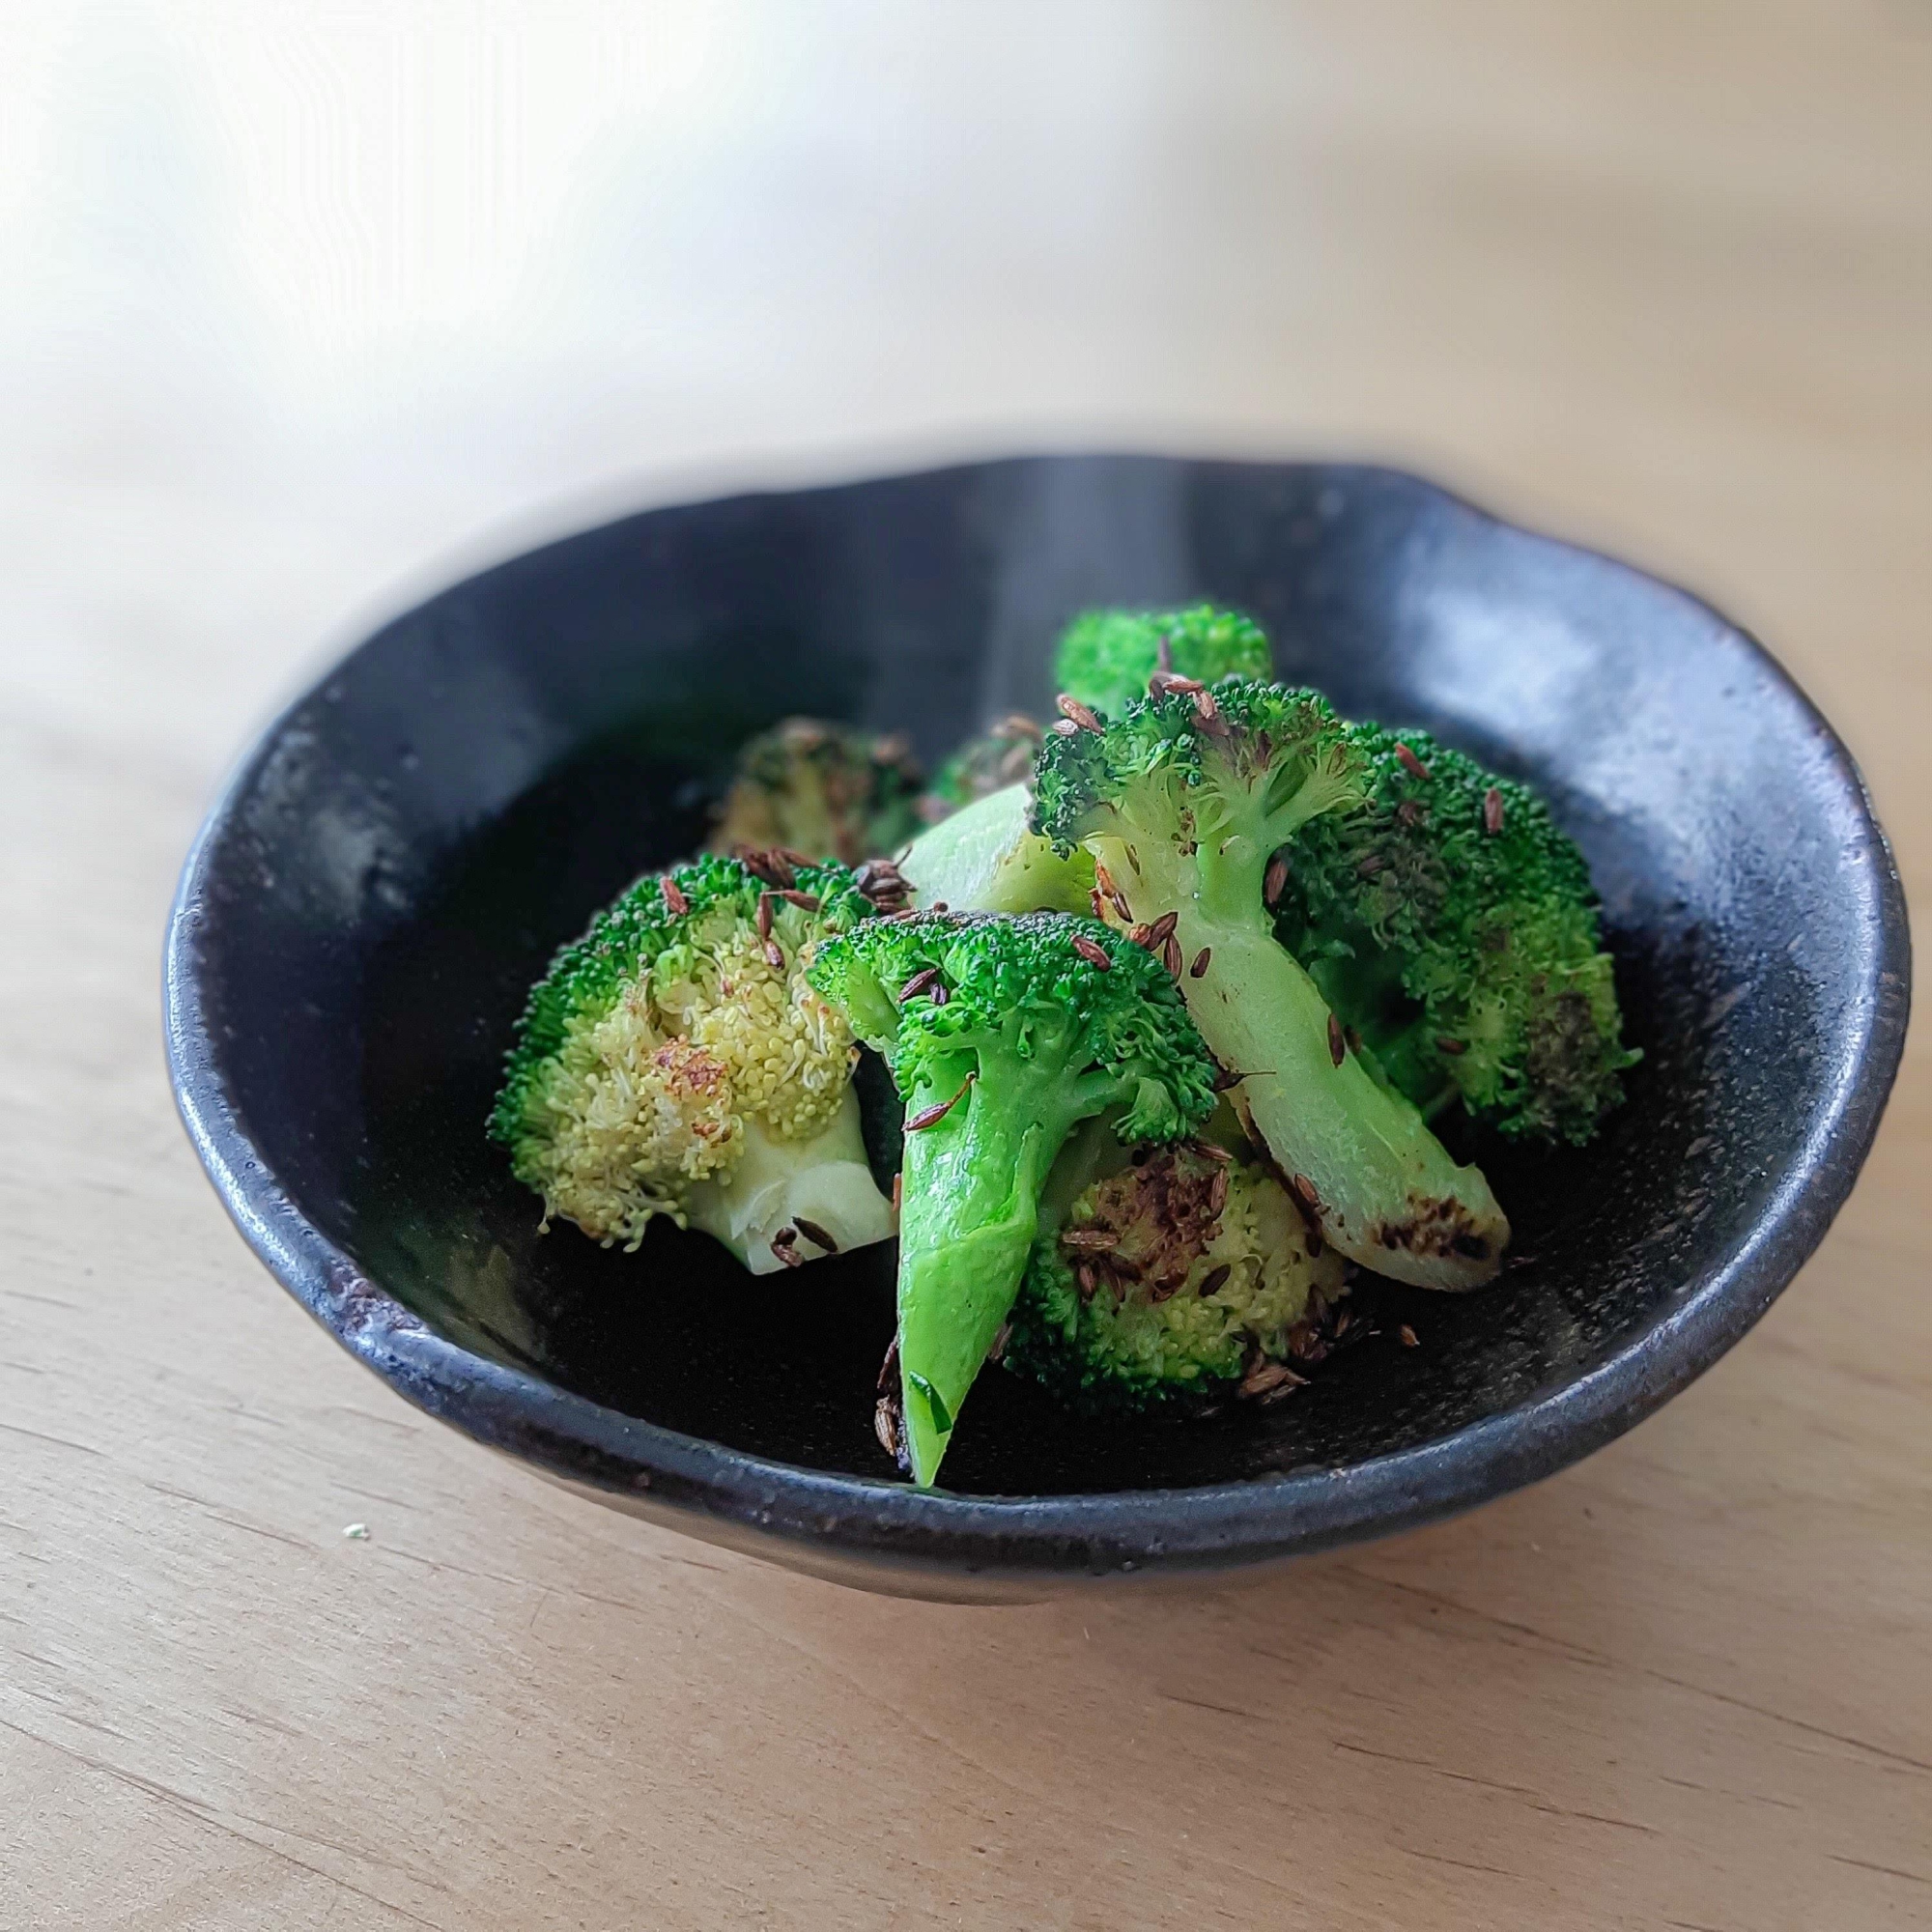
[829, 791]
[1452, 927]
[988, 763]
[675, 1061]
[1105, 658]
[1186, 1271]
[1003, 1035]
[1184, 802]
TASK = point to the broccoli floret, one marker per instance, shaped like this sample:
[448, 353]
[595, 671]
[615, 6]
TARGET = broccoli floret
[988, 859]
[1452, 928]
[829, 791]
[1106, 656]
[675, 1061]
[1003, 1035]
[1184, 1273]
[1184, 802]
[988, 763]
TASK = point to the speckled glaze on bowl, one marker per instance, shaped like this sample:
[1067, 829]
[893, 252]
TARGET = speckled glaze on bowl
[403, 850]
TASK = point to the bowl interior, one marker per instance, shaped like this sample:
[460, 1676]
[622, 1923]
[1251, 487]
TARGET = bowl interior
[417, 836]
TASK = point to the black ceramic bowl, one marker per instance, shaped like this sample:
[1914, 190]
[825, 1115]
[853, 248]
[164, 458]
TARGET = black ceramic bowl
[401, 852]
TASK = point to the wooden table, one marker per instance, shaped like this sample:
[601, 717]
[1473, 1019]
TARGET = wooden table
[1653, 276]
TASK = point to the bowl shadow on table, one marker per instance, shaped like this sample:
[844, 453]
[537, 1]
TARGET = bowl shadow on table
[677, 1334]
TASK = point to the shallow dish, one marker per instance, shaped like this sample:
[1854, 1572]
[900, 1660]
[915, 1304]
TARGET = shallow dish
[400, 854]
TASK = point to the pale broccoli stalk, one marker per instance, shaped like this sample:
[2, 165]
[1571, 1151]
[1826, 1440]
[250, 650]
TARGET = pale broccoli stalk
[676, 1061]
[1184, 803]
[1003, 1035]
[1105, 658]
[822, 790]
[987, 857]
[1184, 1272]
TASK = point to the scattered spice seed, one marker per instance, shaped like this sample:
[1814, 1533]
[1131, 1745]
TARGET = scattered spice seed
[1161, 930]
[774, 956]
[804, 901]
[1369, 865]
[1170, 955]
[1072, 709]
[1088, 1280]
[1224, 1078]
[1303, 1191]
[1338, 1041]
[1408, 1335]
[1410, 763]
[899, 1197]
[675, 902]
[886, 1425]
[998, 1348]
[782, 1246]
[889, 1369]
[939, 995]
[1216, 1279]
[1452, 1046]
[1275, 881]
[921, 981]
[1212, 1150]
[769, 867]
[1266, 1376]
[1217, 1192]
[812, 1231]
[764, 914]
[1096, 1240]
[930, 1117]
[1066, 728]
[1140, 936]
[1164, 681]
[1493, 812]
[1095, 900]
[1094, 953]
[1201, 960]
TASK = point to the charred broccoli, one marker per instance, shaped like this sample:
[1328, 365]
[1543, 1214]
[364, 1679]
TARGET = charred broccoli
[1002, 1036]
[675, 1061]
[1105, 658]
[1452, 927]
[831, 791]
[1188, 1271]
[1184, 803]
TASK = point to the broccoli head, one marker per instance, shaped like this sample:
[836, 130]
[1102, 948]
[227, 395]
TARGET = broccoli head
[988, 763]
[1452, 928]
[1002, 1036]
[1184, 802]
[1105, 658]
[831, 791]
[675, 1061]
[1187, 1272]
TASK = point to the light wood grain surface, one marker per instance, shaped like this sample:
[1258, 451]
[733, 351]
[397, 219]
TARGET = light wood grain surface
[1657, 276]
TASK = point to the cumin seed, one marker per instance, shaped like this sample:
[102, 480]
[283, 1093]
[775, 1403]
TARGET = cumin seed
[1201, 960]
[1094, 953]
[920, 982]
[675, 902]
[1493, 812]
[812, 1231]
[1274, 881]
[1170, 955]
[1452, 1047]
[1213, 1281]
[930, 1117]
[1408, 1335]
[1410, 763]
[1163, 927]
[1076, 713]
[1338, 1042]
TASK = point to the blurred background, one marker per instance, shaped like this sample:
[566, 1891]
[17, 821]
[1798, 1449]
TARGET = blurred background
[307, 304]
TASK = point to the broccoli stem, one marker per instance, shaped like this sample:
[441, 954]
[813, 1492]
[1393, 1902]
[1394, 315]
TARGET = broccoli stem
[776, 1183]
[1388, 1194]
[973, 1182]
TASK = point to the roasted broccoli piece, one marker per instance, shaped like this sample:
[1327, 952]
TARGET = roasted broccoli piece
[1452, 928]
[675, 1061]
[1105, 658]
[1186, 1271]
[1002, 1036]
[987, 858]
[830, 791]
[1184, 802]
[988, 763]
